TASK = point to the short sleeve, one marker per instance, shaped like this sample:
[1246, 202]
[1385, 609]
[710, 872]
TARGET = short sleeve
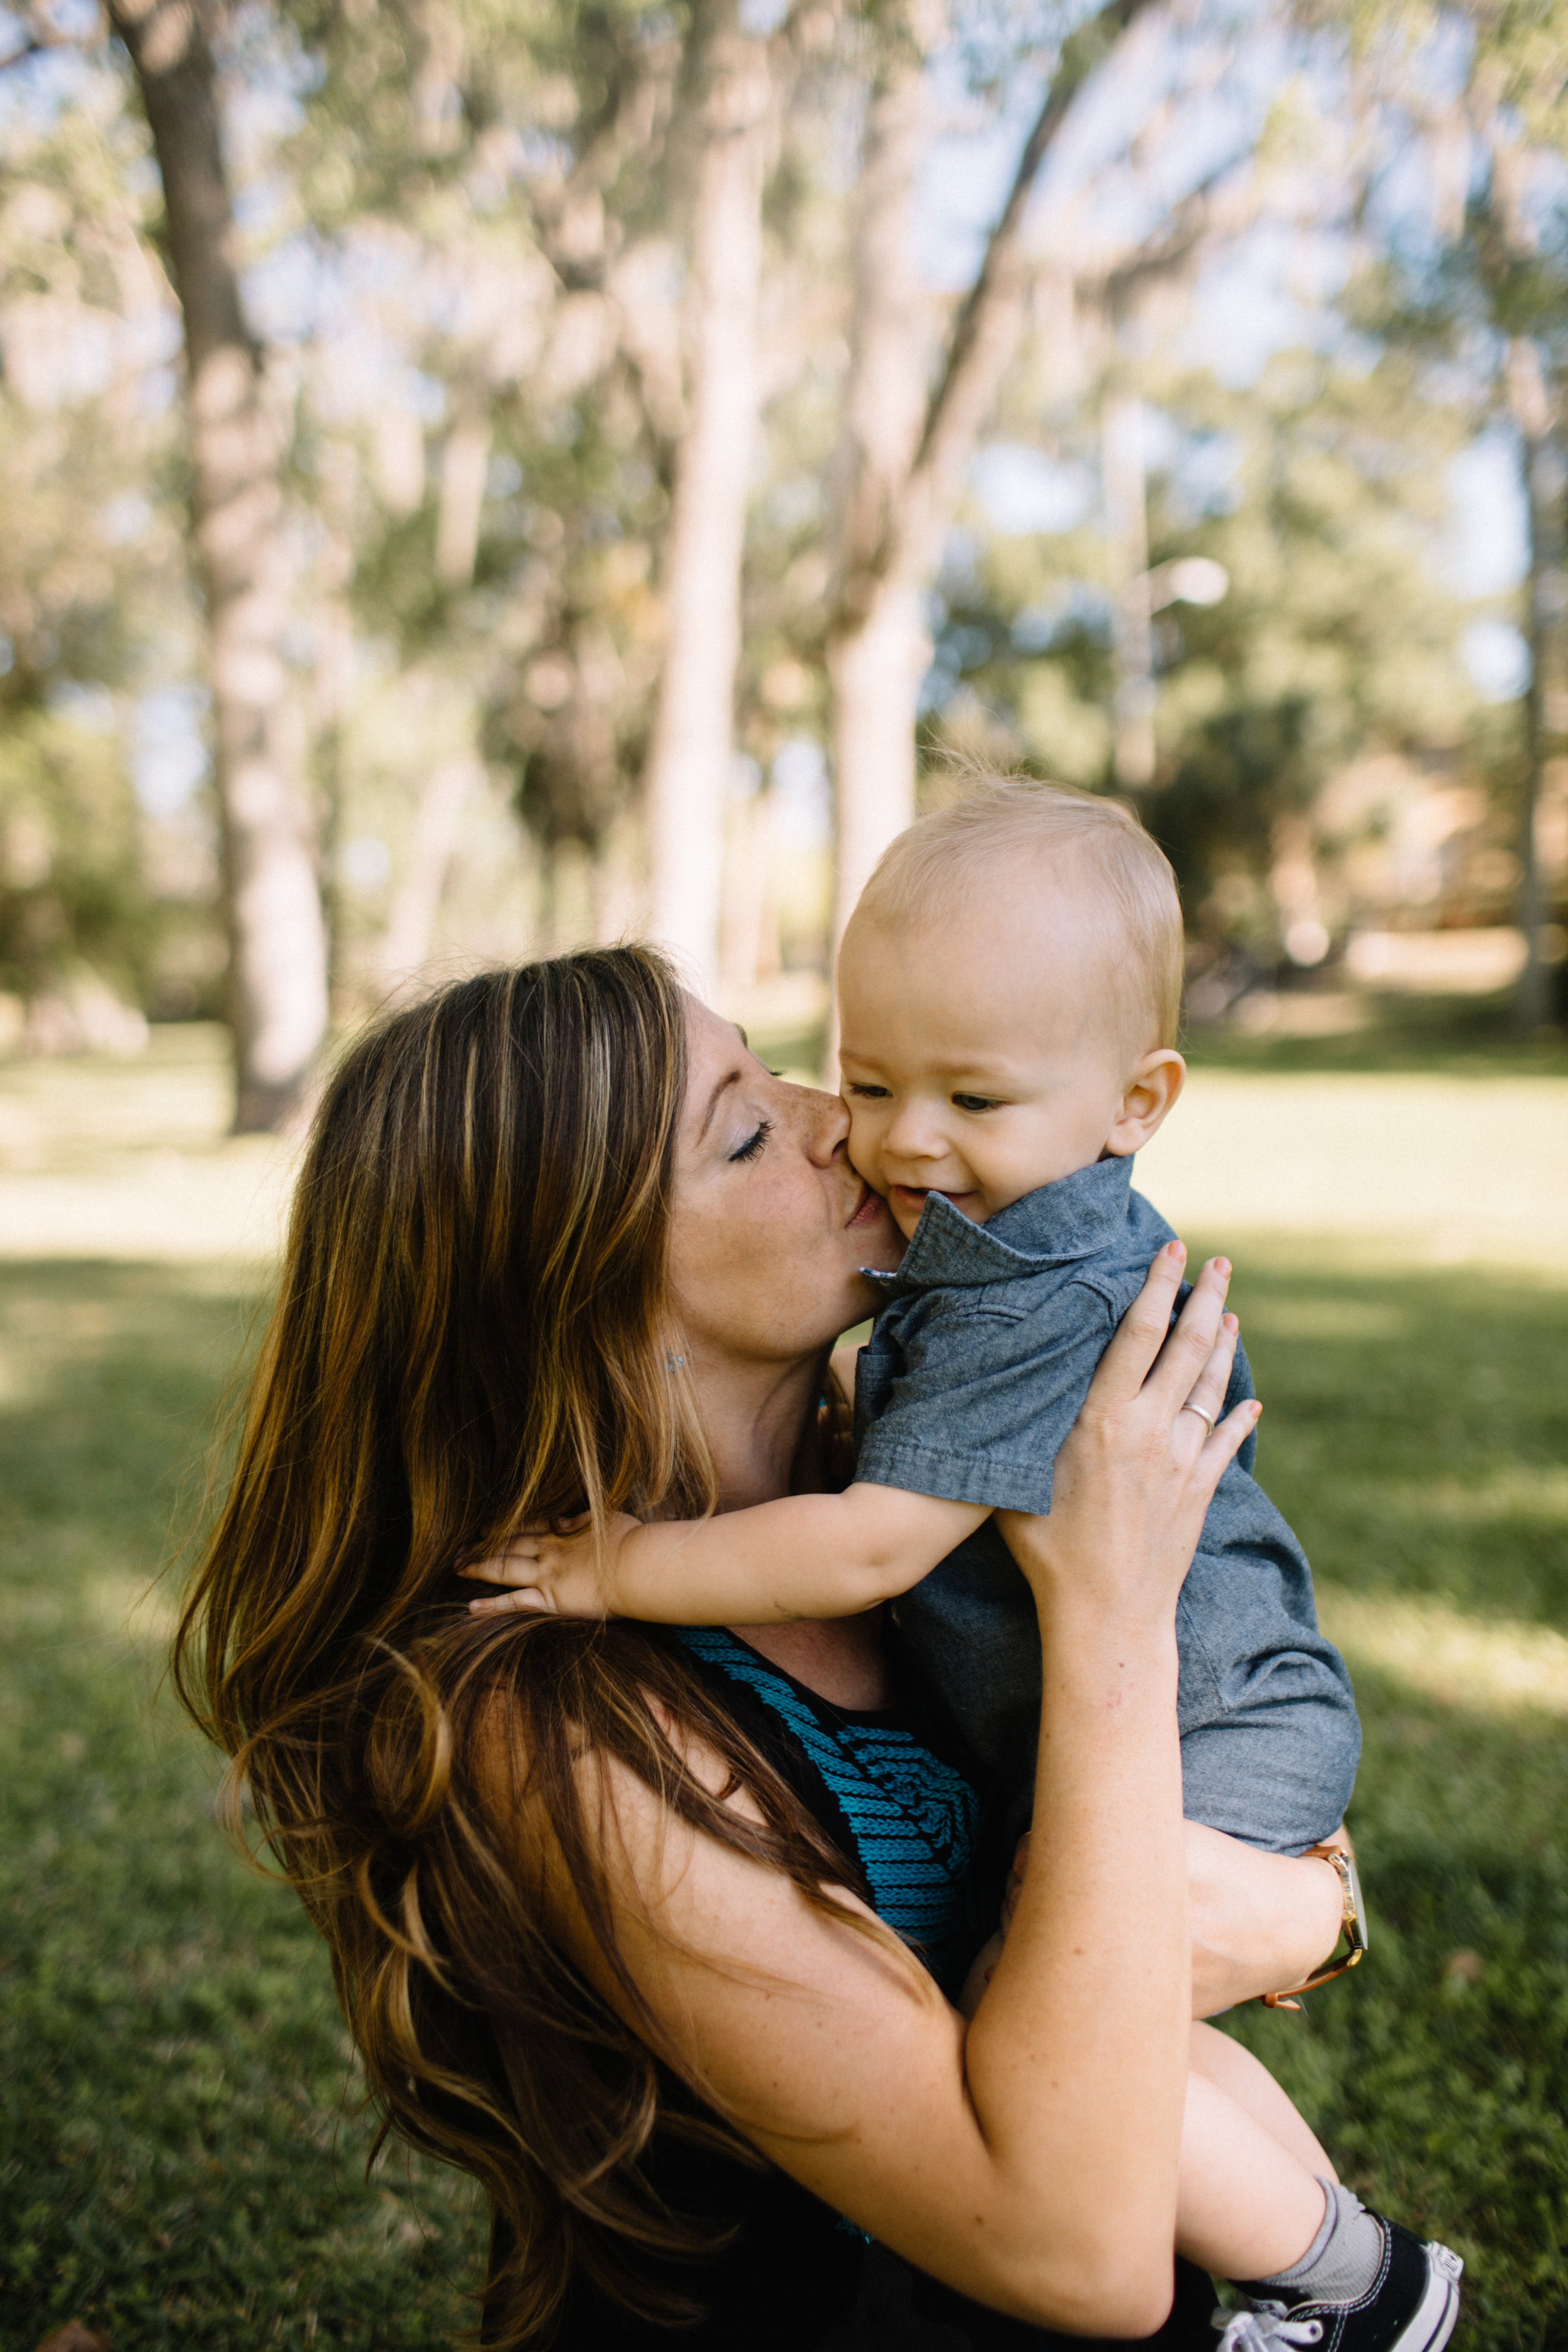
[972, 1403]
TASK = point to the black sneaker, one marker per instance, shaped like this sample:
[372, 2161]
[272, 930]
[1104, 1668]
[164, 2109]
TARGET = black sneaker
[1410, 2306]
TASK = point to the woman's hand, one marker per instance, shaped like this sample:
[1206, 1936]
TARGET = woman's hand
[1142, 1462]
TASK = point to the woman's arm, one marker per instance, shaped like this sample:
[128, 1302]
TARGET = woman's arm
[1031, 2160]
[1259, 1921]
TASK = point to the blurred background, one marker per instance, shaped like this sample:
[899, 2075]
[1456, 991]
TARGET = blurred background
[485, 475]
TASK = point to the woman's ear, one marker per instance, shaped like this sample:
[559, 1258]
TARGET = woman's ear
[1155, 1081]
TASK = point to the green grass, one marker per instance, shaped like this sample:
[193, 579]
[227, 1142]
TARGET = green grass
[1441, 1035]
[181, 2150]
[1416, 1430]
[181, 2156]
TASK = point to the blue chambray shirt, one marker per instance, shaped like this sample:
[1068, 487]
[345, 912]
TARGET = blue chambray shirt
[972, 1378]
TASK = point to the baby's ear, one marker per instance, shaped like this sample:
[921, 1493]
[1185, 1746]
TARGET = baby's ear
[1152, 1084]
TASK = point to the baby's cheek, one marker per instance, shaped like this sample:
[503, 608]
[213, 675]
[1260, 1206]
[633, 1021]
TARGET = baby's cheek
[863, 1154]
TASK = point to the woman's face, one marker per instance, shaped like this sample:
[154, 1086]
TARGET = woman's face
[771, 1224]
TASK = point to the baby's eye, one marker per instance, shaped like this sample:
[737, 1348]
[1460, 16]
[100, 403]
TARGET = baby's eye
[866, 1093]
[975, 1102]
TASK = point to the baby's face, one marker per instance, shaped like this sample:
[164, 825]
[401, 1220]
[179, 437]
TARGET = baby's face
[977, 1055]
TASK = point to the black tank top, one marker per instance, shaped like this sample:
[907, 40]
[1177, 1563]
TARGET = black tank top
[906, 1805]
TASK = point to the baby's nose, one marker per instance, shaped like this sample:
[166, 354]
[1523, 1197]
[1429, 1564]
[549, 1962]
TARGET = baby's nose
[912, 1133]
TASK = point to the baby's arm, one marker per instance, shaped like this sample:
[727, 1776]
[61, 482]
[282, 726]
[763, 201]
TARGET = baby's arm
[803, 1555]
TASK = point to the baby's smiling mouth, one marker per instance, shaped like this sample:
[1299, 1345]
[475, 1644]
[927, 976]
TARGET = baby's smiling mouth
[921, 1193]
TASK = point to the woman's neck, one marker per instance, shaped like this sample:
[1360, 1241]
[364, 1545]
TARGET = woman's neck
[761, 1428]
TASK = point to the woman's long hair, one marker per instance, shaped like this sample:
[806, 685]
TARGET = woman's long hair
[473, 1331]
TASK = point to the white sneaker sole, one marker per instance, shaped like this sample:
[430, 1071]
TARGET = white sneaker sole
[1433, 2321]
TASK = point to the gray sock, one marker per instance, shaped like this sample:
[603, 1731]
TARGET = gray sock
[1342, 2260]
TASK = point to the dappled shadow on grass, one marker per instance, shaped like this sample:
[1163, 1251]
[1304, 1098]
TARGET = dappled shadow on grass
[183, 2150]
[1415, 1427]
[1436, 2073]
[1415, 1433]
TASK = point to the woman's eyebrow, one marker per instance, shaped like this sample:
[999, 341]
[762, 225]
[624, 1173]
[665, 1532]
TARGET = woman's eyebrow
[733, 1078]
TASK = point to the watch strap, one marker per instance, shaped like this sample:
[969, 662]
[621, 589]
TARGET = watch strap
[1351, 1932]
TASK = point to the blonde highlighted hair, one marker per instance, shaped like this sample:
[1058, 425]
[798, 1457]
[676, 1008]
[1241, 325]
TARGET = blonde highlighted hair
[473, 1330]
[1095, 851]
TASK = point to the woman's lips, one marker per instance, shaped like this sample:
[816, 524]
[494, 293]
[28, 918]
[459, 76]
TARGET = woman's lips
[868, 1208]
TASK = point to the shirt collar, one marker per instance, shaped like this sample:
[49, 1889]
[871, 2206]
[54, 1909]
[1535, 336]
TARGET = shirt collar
[1055, 1225]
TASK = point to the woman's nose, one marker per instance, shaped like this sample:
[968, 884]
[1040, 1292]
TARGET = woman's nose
[826, 1122]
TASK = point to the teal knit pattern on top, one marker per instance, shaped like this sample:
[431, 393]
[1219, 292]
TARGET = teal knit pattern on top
[914, 1818]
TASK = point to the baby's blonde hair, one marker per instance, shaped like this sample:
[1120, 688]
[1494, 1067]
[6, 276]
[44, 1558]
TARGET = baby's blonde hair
[1000, 820]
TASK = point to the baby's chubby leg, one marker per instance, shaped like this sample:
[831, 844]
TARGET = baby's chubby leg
[1246, 2079]
[1250, 2201]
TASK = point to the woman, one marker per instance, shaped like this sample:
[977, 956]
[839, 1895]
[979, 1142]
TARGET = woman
[561, 1244]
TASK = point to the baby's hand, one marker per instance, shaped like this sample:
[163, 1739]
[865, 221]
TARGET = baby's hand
[564, 1575]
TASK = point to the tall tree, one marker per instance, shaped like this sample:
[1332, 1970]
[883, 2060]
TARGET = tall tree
[1490, 283]
[278, 979]
[692, 750]
[897, 507]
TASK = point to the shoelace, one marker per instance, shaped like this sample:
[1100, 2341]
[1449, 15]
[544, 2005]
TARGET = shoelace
[1265, 2330]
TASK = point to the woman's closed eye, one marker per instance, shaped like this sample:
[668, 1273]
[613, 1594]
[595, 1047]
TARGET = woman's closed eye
[754, 1142]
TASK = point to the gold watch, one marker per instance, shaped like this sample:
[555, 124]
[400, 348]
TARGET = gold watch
[1352, 1939]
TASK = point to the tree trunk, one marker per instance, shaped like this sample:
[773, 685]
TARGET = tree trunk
[277, 975]
[874, 672]
[463, 463]
[880, 649]
[904, 485]
[1125, 492]
[1543, 473]
[334, 680]
[411, 924]
[693, 736]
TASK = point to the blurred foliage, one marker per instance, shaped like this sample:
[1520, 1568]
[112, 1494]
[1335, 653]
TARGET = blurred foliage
[464, 229]
[72, 885]
[95, 603]
[1320, 489]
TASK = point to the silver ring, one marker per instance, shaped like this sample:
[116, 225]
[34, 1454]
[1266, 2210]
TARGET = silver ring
[1202, 1415]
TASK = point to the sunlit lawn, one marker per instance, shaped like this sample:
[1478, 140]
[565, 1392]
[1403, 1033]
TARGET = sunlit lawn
[1416, 1430]
[181, 2157]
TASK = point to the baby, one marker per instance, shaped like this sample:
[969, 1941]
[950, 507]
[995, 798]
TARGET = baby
[1009, 992]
